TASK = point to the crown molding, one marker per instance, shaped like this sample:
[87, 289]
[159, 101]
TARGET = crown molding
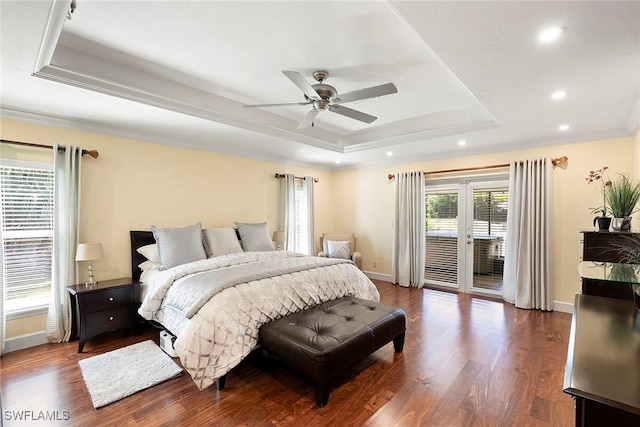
[84, 126]
[51, 34]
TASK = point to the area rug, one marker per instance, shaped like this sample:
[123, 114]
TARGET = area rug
[120, 373]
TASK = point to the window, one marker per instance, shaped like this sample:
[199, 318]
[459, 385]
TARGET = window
[301, 240]
[27, 233]
[441, 247]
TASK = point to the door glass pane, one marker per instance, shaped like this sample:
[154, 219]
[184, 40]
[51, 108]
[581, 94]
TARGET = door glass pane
[441, 249]
[489, 236]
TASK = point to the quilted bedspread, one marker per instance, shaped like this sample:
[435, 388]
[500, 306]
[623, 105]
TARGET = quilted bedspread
[224, 330]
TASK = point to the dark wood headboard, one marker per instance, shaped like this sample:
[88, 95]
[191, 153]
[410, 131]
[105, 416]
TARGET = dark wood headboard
[138, 240]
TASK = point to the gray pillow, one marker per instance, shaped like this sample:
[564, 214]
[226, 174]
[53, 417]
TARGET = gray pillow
[177, 246]
[220, 241]
[339, 249]
[255, 237]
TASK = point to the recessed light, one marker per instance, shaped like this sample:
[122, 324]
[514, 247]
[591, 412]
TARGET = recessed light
[550, 34]
[462, 142]
[389, 153]
[559, 94]
[564, 127]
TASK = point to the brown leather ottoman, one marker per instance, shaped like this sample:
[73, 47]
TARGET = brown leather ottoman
[323, 340]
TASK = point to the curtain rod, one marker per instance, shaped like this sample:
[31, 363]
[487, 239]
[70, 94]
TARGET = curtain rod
[281, 175]
[91, 153]
[555, 162]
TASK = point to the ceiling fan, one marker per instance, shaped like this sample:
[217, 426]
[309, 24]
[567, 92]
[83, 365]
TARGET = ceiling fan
[324, 97]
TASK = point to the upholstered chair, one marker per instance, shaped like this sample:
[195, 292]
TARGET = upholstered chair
[340, 245]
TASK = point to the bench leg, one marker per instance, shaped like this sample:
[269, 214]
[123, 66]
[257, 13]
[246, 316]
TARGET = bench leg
[322, 393]
[220, 382]
[398, 343]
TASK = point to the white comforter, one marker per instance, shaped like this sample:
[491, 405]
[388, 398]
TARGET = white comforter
[225, 329]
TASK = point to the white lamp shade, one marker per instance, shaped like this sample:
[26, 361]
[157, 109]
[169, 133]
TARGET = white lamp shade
[88, 251]
[278, 236]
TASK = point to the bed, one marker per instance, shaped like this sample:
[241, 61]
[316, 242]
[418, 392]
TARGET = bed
[215, 306]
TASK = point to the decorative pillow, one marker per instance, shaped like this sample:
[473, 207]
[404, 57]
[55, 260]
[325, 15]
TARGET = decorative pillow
[150, 252]
[339, 249]
[255, 237]
[178, 246]
[220, 241]
[149, 265]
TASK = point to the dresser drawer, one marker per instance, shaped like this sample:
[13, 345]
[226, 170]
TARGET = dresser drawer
[109, 298]
[107, 320]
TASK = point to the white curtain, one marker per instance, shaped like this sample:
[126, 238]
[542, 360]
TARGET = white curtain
[288, 210]
[3, 297]
[408, 246]
[66, 223]
[307, 188]
[527, 269]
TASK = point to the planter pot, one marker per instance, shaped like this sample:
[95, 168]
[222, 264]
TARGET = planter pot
[621, 224]
[603, 222]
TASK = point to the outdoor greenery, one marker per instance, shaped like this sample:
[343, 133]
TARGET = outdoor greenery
[489, 206]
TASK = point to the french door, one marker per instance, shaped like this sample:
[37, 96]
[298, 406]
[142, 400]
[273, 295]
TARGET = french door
[466, 229]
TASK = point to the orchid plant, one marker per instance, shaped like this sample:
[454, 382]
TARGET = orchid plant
[598, 176]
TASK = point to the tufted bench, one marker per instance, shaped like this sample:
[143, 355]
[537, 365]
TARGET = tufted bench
[323, 340]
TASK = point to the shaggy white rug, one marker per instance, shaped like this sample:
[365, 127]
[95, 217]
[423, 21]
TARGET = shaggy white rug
[120, 373]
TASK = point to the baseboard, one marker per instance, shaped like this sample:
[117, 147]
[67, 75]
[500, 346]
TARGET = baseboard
[378, 276]
[563, 307]
[25, 341]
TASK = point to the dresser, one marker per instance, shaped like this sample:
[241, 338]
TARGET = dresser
[603, 362]
[600, 247]
[105, 306]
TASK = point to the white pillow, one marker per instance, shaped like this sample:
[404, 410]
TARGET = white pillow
[149, 265]
[220, 241]
[339, 249]
[178, 246]
[255, 237]
[150, 252]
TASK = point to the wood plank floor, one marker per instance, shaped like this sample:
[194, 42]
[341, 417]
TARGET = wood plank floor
[466, 362]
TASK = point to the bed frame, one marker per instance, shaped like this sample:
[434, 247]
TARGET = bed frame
[138, 240]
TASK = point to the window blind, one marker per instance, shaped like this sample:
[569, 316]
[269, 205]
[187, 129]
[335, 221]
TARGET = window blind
[441, 246]
[301, 244]
[489, 235]
[27, 235]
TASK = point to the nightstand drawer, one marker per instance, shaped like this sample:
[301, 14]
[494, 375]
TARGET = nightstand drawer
[108, 320]
[109, 298]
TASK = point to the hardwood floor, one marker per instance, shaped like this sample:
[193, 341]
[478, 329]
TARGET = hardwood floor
[466, 362]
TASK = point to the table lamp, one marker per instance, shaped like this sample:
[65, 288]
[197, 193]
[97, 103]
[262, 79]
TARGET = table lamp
[89, 252]
[279, 238]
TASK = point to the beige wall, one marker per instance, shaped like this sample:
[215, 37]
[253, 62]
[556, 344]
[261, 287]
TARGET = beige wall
[134, 184]
[366, 200]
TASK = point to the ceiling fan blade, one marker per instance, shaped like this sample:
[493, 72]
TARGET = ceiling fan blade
[354, 114]
[276, 105]
[304, 86]
[308, 119]
[372, 92]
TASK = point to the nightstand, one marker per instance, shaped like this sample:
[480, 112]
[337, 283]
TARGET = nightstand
[106, 306]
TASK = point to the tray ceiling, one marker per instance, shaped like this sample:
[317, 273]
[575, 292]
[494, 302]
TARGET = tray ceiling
[180, 72]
